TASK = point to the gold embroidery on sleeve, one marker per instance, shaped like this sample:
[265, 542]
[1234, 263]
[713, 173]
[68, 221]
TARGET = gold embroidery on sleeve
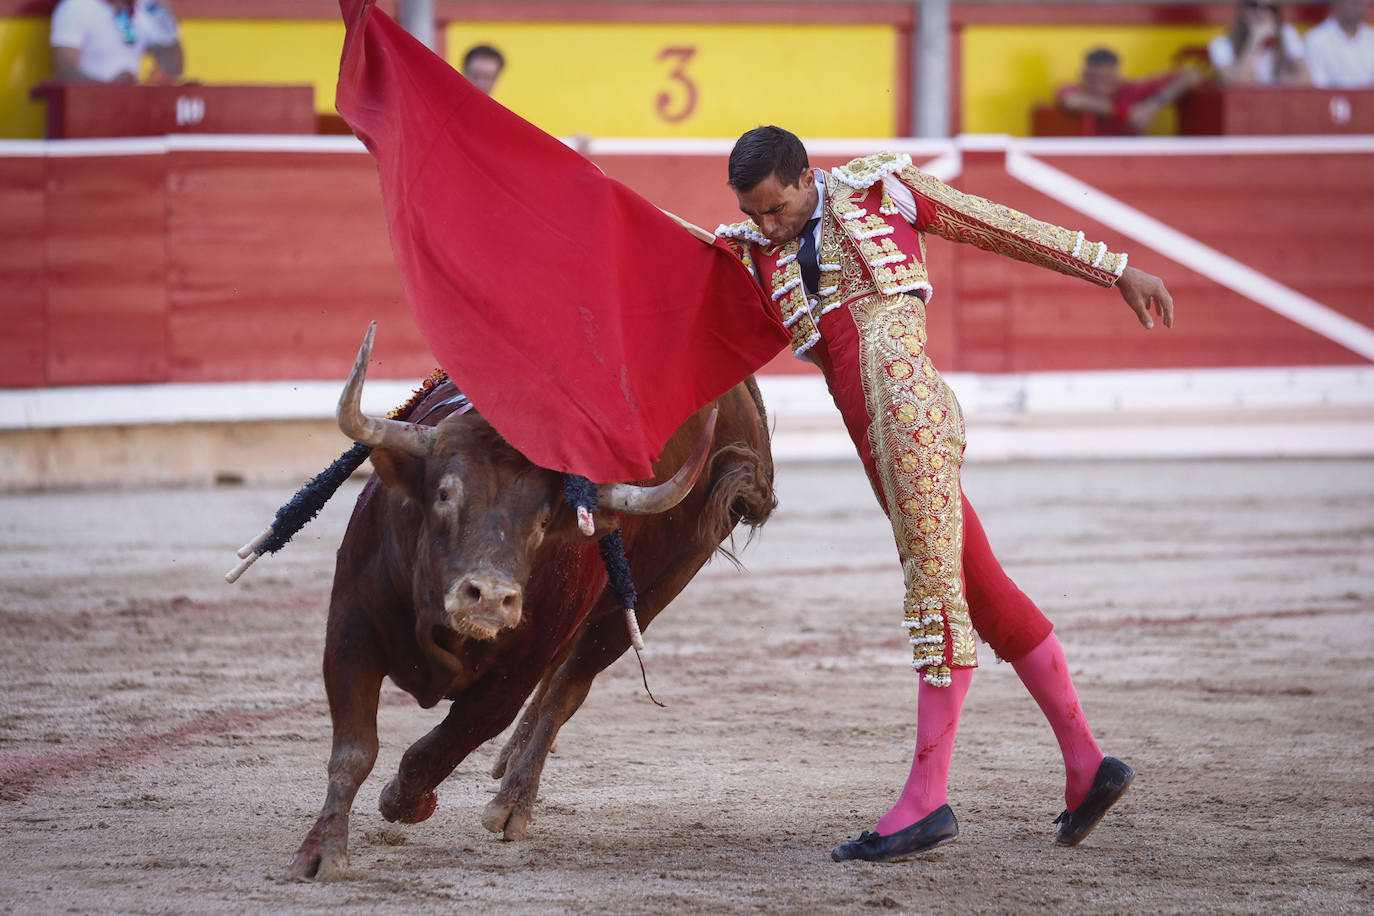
[965, 218]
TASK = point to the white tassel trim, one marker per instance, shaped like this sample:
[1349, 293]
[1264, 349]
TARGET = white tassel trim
[874, 233]
[926, 662]
[786, 288]
[889, 259]
[783, 262]
[830, 308]
[795, 317]
[1101, 253]
[810, 342]
[913, 623]
[827, 290]
[743, 231]
[855, 214]
[913, 286]
[927, 640]
[827, 268]
[1077, 246]
[871, 178]
[1121, 268]
[938, 681]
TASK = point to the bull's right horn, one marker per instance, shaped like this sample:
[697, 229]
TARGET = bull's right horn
[377, 432]
[636, 500]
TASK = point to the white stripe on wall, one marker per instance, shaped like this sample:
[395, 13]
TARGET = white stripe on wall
[1191, 253]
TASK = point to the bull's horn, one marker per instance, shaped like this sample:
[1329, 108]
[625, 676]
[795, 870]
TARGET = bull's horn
[376, 431]
[628, 498]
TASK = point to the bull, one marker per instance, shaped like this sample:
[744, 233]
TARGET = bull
[464, 575]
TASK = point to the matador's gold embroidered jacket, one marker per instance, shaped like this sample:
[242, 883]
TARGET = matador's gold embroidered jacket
[872, 263]
[867, 246]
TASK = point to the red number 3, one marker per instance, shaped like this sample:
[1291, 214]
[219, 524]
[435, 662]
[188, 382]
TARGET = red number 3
[665, 99]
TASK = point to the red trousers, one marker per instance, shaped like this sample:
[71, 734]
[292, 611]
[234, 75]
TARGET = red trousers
[1001, 613]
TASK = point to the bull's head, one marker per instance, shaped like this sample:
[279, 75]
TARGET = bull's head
[484, 509]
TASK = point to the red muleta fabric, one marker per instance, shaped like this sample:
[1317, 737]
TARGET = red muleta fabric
[583, 323]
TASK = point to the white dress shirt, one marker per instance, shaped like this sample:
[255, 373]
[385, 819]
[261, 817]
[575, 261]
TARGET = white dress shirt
[1338, 61]
[91, 26]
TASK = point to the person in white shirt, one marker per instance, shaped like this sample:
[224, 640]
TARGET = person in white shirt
[1340, 51]
[103, 41]
[1260, 49]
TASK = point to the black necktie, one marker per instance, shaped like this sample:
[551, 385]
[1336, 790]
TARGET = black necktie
[810, 270]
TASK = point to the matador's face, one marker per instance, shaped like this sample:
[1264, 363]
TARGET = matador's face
[780, 211]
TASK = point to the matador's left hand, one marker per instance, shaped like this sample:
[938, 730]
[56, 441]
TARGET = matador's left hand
[1143, 292]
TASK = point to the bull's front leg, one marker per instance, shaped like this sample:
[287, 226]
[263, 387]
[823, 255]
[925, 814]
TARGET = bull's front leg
[603, 640]
[353, 684]
[410, 797]
[520, 737]
[511, 810]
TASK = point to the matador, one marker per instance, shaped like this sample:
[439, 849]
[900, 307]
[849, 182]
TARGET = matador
[841, 253]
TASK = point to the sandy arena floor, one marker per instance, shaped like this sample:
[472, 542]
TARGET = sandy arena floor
[163, 735]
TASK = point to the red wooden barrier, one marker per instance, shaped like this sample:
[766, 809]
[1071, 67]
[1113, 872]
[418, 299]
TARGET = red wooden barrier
[22, 294]
[277, 263]
[1270, 110]
[238, 264]
[106, 270]
[78, 110]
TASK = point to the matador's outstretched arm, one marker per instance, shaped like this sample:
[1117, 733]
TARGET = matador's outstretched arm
[961, 217]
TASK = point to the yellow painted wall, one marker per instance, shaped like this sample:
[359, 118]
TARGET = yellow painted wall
[617, 79]
[606, 79]
[24, 60]
[275, 51]
[217, 51]
[1005, 70]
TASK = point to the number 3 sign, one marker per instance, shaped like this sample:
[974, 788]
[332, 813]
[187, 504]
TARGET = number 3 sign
[664, 106]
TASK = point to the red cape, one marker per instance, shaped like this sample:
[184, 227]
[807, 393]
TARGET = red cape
[583, 323]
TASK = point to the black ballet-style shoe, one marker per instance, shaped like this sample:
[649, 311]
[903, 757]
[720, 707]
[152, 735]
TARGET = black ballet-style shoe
[939, 828]
[1112, 779]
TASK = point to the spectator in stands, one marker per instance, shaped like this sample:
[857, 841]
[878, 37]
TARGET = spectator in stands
[103, 41]
[1119, 107]
[482, 65]
[1260, 49]
[1340, 51]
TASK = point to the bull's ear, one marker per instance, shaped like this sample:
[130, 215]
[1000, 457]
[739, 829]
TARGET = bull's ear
[400, 471]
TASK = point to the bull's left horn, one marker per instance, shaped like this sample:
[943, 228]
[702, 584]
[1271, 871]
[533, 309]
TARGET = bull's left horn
[634, 500]
[377, 432]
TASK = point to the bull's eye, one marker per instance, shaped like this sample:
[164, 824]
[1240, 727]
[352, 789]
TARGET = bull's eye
[544, 522]
[443, 496]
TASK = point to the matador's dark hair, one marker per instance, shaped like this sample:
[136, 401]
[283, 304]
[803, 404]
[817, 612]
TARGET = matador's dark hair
[766, 151]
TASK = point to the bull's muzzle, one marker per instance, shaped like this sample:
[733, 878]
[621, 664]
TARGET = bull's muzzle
[483, 606]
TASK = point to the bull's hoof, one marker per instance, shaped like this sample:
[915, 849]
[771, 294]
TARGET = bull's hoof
[507, 816]
[315, 861]
[406, 811]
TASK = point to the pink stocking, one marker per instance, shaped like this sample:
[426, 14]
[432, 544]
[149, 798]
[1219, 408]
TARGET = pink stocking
[1045, 672]
[937, 719]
